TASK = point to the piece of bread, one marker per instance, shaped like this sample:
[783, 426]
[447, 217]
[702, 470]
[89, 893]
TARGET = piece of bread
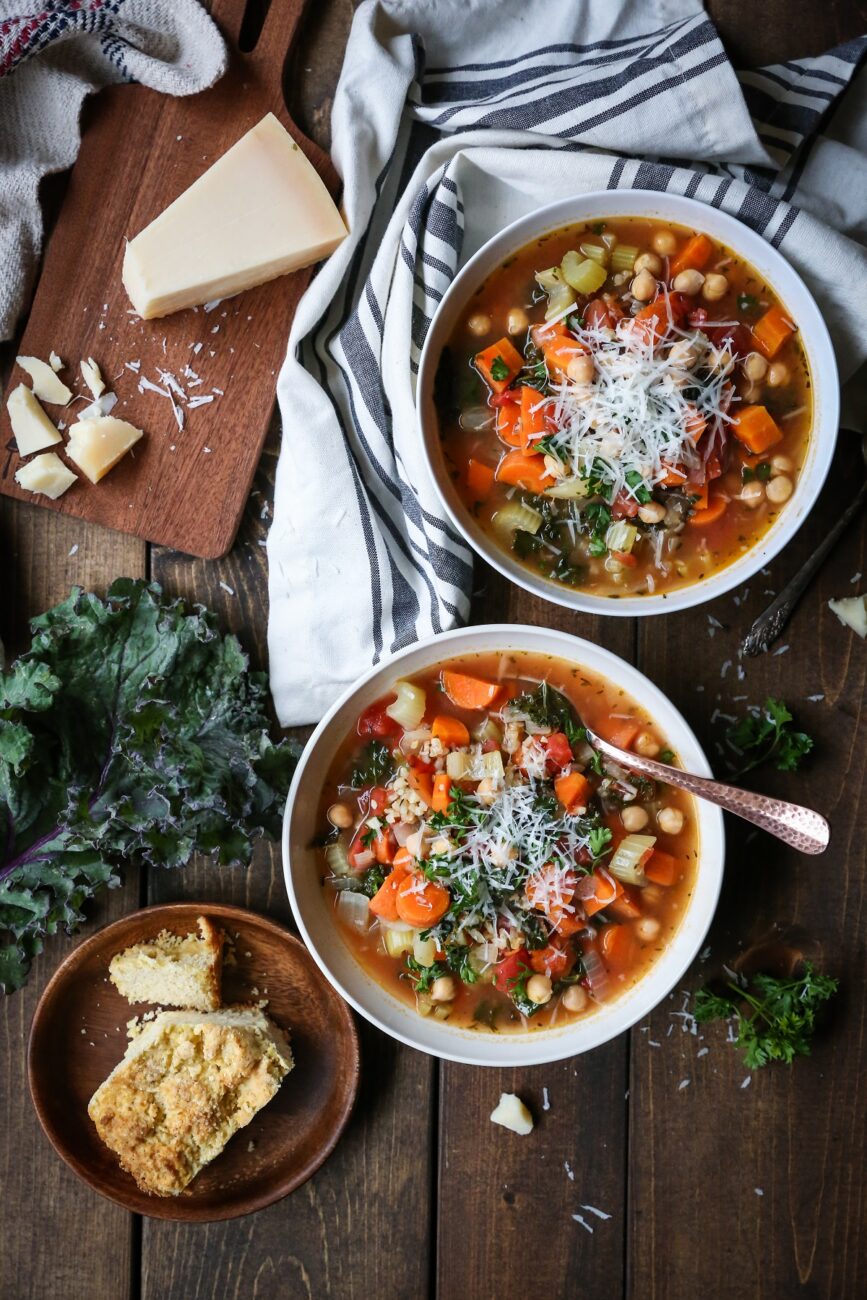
[173, 970]
[188, 1081]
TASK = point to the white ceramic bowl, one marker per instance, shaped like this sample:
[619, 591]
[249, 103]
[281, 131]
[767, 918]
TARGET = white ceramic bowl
[302, 865]
[777, 272]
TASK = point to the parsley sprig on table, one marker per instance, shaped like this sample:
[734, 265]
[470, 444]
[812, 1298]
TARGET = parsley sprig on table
[765, 734]
[774, 1018]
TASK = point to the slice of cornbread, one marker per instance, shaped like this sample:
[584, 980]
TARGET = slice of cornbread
[174, 970]
[188, 1081]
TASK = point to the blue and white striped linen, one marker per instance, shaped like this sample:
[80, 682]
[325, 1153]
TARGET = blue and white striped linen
[453, 118]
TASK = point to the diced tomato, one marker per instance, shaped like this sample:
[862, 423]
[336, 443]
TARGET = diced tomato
[738, 338]
[503, 399]
[626, 558]
[374, 721]
[624, 506]
[553, 961]
[377, 800]
[420, 764]
[597, 315]
[558, 751]
[508, 971]
[697, 318]
[488, 746]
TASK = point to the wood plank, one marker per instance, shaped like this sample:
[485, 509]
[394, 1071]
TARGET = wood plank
[502, 1199]
[797, 1135]
[59, 1230]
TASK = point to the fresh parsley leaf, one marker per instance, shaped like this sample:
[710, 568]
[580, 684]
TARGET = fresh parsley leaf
[598, 227]
[747, 302]
[766, 734]
[575, 323]
[376, 766]
[774, 1018]
[499, 369]
[372, 880]
[666, 756]
[131, 732]
[600, 838]
[548, 446]
[640, 490]
[747, 474]
[458, 960]
[763, 471]
[566, 572]
[422, 977]
[524, 544]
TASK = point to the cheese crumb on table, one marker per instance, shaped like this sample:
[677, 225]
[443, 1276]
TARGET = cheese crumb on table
[852, 612]
[511, 1113]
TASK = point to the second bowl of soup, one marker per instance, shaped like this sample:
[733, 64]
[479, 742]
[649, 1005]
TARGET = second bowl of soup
[629, 402]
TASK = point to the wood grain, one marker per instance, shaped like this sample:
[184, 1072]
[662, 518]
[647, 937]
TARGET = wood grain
[185, 488]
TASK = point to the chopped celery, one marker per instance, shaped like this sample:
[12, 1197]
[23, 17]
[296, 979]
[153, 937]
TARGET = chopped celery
[516, 515]
[560, 300]
[408, 709]
[586, 276]
[337, 858]
[631, 852]
[490, 729]
[609, 240]
[397, 940]
[424, 950]
[568, 488]
[549, 279]
[623, 257]
[474, 767]
[596, 253]
[621, 536]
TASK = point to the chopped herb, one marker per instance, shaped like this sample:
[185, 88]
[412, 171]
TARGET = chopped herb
[763, 471]
[778, 1020]
[422, 977]
[766, 735]
[369, 836]
[640, 490]
[598, 227]
[746, 302]
[666, 756]
[564, 571]
[600, 838]
[499, 369]
[372, 880]
[575, 323]
[524, 544]
[548, 446]
[376, 766]
[458, 960]
[747, 474]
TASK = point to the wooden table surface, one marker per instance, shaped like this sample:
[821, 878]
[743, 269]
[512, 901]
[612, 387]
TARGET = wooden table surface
[715, 1189]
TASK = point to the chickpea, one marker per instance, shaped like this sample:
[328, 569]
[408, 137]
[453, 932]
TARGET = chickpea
[753, 494]
[647, 928]
[634, 818]
[688, 282]
[340, 816]
[779, 490]
[781, 465]
[643, 286]
[664, 242]
[479, 324]
[581, 370]
[670, 820]
[778, 374]
[517, 321]
[714, 287]
[648, 262]
[539, 989]
[755, 366]
[652, 513]
[575, 998]
[647, 745]
[443, 989]
[439, 847]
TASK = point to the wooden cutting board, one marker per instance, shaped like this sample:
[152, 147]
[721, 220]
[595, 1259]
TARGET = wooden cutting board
[182, 488]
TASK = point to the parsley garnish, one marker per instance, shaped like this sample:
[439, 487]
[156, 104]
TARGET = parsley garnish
[767, 733]
[422, 977]
[372, 879]
[374, 767]
[598, 516]
[600, 838]
[499, 369]
[369, 836]
[763, 471]
[779, 1018]
[458, 960]
[666, 756]
[640, 490]
[746, 302]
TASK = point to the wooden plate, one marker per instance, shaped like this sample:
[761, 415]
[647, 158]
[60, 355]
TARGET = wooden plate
[78, 1036]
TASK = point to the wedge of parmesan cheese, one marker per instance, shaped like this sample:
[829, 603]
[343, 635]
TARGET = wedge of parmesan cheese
[46, 385]
[511, 1113]
[32, 428]
[261, 210]
[96, 446]
[851, 611]
[93, 377]
[46, 474]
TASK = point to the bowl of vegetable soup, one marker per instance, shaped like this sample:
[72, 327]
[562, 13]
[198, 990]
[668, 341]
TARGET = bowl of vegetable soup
[628, 402]
[472, 875]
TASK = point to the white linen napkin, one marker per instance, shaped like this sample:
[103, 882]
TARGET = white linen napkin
[51, 56]
[451, 119]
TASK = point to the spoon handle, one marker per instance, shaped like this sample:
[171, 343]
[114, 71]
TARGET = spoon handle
[772, 620]
[802, 828]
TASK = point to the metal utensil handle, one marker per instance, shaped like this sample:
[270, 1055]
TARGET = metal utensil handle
[772, 620]
[802, 828]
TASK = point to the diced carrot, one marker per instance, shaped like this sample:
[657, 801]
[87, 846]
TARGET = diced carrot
[480, 479]
[654, 319]
[673, 478]
[550, 891]
[573, 790]
[422, 782]
[509, 424]
[552, 960]
[626, 558]
[694, 422]
[626, 907]
[694, 256]
[771, 332]
[619, 948]
[524, 469]
[502, 358]
[662, 868]
[470, 692]
[403, 858]
[709, 514]
[384, 901]
[533, 407]
[451, 731]
[757, 429]
[701, 492]
[618, 731]
[421, 903]
[606, 892]
[442, 784]
[384, 847]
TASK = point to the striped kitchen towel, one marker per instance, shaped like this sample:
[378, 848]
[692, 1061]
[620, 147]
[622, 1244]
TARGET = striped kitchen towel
[451, 119]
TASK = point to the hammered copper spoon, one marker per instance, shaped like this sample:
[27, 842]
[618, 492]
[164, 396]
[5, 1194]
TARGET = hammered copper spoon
[803, 829]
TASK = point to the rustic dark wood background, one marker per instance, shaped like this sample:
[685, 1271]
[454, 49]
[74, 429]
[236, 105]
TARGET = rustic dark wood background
[713, 1189]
